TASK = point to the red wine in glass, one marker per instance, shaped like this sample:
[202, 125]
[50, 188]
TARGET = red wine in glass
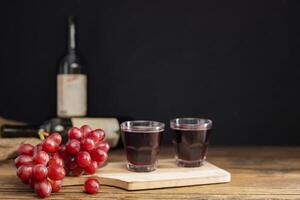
[190, 140]
[141, 141]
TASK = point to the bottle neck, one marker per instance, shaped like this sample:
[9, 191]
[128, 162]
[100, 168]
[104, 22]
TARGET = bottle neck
[71, 35]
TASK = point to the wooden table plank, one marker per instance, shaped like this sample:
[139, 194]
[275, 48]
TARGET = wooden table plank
[257, 173]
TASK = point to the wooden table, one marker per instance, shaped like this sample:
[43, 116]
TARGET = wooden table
[257, 173]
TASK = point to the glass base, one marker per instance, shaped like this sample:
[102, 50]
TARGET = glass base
[185, 163]
[140, 168]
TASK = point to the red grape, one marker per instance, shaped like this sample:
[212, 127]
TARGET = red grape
[91, 169]
[103, 145]
[37, 148]
[43, 188]
[56, 172]
[71, 162]
[77, 171]
[23, 160]
[83, 159]
[75, 133]
[24, 173]
[50, 146]
[55, 155]
[85, 129]
[73, 146]
[41, 157]
[56, 161]
[56, 137]
[87, 144]
[98, 155]
[94, 135]
[26, 149]
[101, 133]
[63, 151]
[91, 186]
[39, 172]
[56, 185]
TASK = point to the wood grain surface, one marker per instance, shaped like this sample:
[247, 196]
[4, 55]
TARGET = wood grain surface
[257, 173]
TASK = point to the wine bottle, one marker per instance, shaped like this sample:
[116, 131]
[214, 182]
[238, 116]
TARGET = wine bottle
[12, 131]
[71, 80]
[62, 125]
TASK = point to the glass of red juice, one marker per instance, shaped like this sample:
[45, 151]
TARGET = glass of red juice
[190, 139]
[141, 141]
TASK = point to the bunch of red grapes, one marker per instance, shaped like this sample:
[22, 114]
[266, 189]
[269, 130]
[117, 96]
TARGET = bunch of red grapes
[45, 165]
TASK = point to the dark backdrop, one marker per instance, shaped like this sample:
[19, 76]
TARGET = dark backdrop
[232, 61]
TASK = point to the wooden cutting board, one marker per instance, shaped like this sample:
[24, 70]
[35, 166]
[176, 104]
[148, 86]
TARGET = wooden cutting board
[166, 175]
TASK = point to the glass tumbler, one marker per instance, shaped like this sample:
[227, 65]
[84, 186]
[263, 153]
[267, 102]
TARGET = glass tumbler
[141, 141]
[190, 139]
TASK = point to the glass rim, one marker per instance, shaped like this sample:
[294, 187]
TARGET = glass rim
[142, 126]
[191, 123]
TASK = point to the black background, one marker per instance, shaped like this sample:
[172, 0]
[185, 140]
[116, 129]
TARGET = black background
[234, 62]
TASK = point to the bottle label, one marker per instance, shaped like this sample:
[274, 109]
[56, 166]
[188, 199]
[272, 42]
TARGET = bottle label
[71, 95]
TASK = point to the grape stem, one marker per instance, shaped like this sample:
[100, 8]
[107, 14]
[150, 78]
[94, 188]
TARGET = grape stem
[43, 134]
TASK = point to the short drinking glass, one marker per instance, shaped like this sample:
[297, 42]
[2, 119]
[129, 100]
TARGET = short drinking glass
[190, 139]
[141, 141]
